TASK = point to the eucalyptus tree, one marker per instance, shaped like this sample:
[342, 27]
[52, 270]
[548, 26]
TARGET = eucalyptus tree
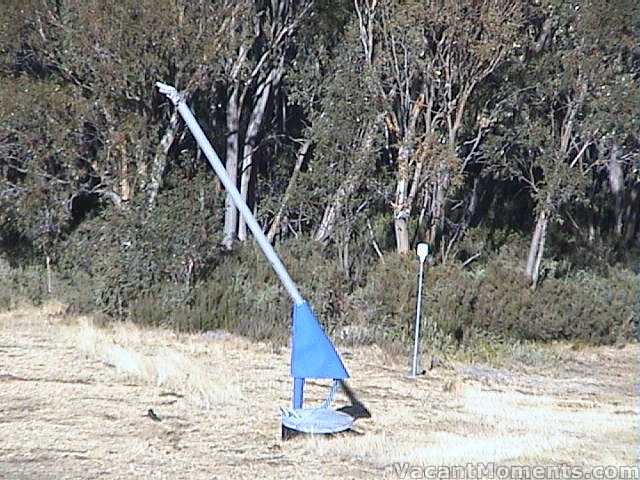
[564, 123]
[256, 56]
[111, 53]
[86, 128]
[346, 129]
[42, 180]
[612, 32]
[427, 61]
[320, 48]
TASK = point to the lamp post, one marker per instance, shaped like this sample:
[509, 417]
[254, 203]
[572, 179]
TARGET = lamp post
[423, 252]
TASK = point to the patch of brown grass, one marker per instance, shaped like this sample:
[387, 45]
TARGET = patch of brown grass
[162, 358]
[70, 386]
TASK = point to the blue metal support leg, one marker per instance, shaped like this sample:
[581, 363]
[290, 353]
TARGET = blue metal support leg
[298, 391]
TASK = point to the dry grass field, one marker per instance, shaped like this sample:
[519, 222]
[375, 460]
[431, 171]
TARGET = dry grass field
[74, 397]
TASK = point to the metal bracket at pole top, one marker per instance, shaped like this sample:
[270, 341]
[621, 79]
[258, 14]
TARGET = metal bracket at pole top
[170, 92]
[423, 251]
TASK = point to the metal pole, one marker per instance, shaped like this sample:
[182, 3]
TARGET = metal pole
[214, 160]
[414, 368]
[423, 251]
[298, 392]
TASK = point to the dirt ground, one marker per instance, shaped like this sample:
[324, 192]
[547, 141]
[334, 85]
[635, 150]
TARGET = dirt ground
[74, 398]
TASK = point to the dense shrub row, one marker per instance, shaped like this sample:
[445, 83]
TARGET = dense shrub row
[21, 285]
[493, 298]
[241, 294]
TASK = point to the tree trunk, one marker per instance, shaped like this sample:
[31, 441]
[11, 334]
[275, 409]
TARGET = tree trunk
[536, 250]
[139, 182]
[331, 211]
[632, 218]
[160, 160]
[401, 209]
[472, 206]
[233, 124]
[616, 184]
[125, 187]
[250, 142]
[275, 225]
[407, 182]
[437, 212]
[346, 189]
[49, 283]
[401, 228]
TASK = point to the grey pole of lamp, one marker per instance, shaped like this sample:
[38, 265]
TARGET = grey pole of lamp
[423, 252]
[178, 100]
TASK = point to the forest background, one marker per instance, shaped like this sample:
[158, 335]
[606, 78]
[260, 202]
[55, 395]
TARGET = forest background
[504, 133]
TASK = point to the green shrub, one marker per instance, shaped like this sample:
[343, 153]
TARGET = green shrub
[583, 306]
[495, 298]
[77, 290]
[451, 295]
[134, 266]
[386, 302]
[133, 257]
[243, 295]
[22, 285]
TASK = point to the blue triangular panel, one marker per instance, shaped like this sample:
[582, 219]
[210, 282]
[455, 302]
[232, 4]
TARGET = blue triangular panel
[312, 353]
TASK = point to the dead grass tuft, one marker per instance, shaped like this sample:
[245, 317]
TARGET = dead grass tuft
[157, 357]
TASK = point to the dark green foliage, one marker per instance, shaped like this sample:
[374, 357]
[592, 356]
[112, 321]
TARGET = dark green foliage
[241, 296]
[521, 115]
[583, 307]
[21, 285]
[385, 303]
[495, 298]
[130, 256]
